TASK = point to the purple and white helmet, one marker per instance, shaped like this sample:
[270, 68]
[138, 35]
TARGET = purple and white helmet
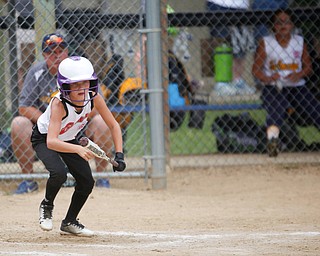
[76, 69]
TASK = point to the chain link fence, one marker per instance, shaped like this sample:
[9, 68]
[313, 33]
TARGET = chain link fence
[213, 105]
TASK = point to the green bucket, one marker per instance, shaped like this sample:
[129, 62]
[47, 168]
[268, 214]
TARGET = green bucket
[223, 63]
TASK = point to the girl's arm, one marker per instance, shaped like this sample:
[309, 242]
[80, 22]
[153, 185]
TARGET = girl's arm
[53, 143]
[111, 122]
[306, 62]
[258, 64]
[306, 66]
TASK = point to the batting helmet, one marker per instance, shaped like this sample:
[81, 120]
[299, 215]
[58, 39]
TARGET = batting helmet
[76, 69]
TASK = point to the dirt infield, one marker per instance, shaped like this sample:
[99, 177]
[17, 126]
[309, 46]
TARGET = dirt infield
[249, 210]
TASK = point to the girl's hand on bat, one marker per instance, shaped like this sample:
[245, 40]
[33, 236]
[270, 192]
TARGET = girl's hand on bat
[85, 153]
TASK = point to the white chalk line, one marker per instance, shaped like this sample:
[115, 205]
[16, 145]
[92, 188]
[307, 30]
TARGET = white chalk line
[205, 236]
[159, 240]
[42, 253]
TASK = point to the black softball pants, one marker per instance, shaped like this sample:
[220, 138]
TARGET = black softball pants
[58, 164]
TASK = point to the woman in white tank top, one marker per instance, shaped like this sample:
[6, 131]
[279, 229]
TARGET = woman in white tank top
[281, 64]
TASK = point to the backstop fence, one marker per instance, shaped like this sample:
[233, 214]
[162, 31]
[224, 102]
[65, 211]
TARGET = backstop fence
[211, 100]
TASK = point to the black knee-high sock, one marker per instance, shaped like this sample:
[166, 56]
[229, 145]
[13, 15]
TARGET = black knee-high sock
[77, 202]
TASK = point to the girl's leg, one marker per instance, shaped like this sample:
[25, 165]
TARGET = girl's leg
[81, 171]
[306, 105]
[57, 169]
[275, 104]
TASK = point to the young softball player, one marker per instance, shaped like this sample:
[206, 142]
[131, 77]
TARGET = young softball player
[54, 140]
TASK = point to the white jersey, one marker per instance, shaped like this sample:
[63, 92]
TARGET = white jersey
[236, 4]
[71, 124]
[284, 60]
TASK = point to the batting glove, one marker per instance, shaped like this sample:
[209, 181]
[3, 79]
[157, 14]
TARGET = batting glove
[119, 158]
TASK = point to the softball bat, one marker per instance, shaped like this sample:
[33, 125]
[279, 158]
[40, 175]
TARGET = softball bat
[96, 150]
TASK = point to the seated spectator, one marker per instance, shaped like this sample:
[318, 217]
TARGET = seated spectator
[262, 29]
[38, 88]
[264, 5]
[281, 63]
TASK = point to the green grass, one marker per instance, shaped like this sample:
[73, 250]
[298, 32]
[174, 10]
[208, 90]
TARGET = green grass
[309, 134]
[201, 141]
[188, 141]
[137, 138]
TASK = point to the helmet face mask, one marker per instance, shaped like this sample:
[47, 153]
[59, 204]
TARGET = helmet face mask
[76, 69]
[66, 90]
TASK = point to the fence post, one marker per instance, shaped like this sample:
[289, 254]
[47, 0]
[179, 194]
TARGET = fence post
[2, 67]
[159, 180]
[13, 58]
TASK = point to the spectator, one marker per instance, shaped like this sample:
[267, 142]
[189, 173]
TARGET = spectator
[264, 5]
[38, 88]
[241, 40]
[281, 63]
[263, 28]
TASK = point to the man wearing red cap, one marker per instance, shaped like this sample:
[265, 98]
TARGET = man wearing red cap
[38, 86]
